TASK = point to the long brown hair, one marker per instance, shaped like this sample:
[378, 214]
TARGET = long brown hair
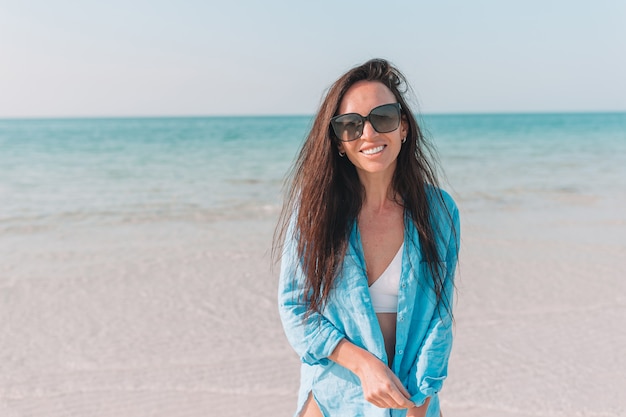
[325, 193]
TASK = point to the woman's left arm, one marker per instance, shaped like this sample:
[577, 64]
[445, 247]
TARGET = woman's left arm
[431, 368]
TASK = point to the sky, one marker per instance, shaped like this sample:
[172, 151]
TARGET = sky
[61, 58]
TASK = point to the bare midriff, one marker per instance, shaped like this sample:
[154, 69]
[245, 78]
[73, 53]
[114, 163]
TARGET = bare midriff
[387, 322]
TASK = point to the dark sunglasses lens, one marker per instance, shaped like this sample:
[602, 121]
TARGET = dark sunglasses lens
[347, 127]
[385, 118]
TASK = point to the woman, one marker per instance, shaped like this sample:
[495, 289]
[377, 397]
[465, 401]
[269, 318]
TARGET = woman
[369, 250]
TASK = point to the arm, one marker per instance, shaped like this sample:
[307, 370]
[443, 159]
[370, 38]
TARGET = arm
[431, 368]
[315, 338]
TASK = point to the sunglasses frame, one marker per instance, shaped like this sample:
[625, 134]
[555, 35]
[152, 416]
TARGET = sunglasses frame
[364, 119]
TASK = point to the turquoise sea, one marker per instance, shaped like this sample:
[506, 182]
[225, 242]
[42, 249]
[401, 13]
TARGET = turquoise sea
[56, 172]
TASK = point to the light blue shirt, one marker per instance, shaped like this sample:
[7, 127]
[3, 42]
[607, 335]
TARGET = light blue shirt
[424, 328]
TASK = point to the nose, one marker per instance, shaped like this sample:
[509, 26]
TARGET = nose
[368, 130]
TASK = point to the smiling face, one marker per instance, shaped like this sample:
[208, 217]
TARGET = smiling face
[374, 153]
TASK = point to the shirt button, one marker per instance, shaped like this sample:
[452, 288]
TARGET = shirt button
[403, 285]
[400, 352]
[401, 318]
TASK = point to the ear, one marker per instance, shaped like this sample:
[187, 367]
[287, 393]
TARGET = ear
[404, 127]
[340, 148]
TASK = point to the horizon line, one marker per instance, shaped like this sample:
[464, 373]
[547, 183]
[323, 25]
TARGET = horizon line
[269, 115]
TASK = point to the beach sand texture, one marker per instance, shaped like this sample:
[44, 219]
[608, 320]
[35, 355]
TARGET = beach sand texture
[540, 310]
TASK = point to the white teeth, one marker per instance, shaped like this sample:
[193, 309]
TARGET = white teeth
[373, 150]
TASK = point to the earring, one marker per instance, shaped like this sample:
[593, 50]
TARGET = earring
[404, 139]
[342, 154]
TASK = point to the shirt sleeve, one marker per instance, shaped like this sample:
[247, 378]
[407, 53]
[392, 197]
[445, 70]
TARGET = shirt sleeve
[315, 337]
[432, 364]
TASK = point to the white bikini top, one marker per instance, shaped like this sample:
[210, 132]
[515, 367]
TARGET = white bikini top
[384, 291]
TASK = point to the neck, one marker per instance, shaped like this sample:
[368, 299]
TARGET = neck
[379, 194]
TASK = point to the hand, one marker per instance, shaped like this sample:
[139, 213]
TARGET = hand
[381, 386]
[418, 411]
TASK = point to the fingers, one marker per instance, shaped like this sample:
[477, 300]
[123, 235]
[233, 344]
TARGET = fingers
[394, 399]
[418, 411]
[382, 387]
[400, 400]
[399, 395]
[388, 396]
[401, 388]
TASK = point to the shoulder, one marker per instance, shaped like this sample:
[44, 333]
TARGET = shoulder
[443, 216]
[441, 203]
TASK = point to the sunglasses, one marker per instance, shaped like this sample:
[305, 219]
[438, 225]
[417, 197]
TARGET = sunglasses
[384, 119]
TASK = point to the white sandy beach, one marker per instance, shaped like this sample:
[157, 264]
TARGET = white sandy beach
[180, 320]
